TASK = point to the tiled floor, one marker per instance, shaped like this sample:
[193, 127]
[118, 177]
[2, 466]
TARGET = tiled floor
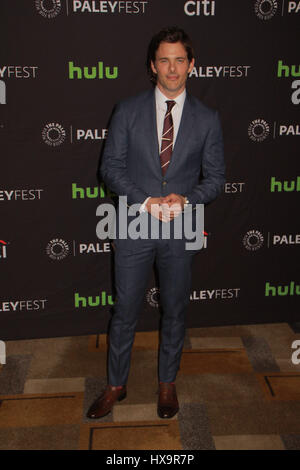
[237, 388]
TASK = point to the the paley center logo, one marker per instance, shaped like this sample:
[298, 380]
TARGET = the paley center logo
[253, 240]
[265, 9]
[53, 134]
[48, 8]
[57, 249]
[258, 130]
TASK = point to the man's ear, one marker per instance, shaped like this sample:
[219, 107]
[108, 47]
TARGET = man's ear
[153, 67]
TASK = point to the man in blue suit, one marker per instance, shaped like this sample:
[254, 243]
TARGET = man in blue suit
[164, 151]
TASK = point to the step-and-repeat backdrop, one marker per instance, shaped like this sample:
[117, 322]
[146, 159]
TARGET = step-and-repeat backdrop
[64, 64]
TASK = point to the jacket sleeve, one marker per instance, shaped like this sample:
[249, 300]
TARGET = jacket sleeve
[114, 162]
[213, 167]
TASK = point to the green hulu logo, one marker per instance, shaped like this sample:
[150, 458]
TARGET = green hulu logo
[287, 70]
[289, 289]
[287, 186]
[91, 301]
[90, 73]
[90, 193]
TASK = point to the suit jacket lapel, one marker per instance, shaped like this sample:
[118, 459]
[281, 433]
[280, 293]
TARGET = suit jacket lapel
[150, 126]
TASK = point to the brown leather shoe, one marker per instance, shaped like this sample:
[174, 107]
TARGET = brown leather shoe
[104, 404]
[167, 401]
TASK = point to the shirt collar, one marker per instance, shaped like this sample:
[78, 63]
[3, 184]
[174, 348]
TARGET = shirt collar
[161, 99]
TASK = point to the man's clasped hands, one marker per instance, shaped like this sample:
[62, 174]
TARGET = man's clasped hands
[166, 208]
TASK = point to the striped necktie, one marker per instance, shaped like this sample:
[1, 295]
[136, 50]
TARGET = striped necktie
[167, 138]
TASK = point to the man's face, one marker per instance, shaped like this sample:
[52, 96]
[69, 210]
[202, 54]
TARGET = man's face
[171, 67]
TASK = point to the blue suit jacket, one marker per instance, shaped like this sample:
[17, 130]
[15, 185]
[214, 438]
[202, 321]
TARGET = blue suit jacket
[131, 162]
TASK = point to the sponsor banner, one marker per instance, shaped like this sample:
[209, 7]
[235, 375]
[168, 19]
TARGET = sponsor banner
[277, 185]
[220, 71]
[20, 194]
[50, 9]
[253, 240]
[268, 9]
[101, 191]
[102, 300]
[11, 72]
[54, 134]
[259, 130]
[22, 305]
[18, 71]
[203, 8]
[127, 7]
[153, 296]
[99, 71]
[216, 294]
[58, 249]
[274, 290]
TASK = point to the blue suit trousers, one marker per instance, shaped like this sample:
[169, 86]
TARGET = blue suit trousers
[132, 272]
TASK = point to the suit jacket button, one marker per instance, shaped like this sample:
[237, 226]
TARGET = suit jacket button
[164, 182]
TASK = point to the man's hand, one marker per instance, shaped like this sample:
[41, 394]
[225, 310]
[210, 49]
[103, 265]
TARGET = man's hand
[154, 207]
[173, 204]
[166, 208]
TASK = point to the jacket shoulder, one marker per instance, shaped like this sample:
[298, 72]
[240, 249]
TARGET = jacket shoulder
[133, 102]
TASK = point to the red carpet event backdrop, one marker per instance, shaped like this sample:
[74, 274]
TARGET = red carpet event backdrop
[64, 65]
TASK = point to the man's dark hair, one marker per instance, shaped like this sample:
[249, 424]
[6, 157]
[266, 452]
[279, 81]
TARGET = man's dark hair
[171, 34]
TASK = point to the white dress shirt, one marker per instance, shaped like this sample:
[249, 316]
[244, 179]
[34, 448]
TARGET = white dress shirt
[161, 109]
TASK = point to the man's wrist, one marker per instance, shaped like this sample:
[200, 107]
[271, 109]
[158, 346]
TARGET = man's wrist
[143, 206]
[186, 201]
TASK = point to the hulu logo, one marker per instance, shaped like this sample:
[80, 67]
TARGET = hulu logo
[289, 289]
[287, 186]
[287, 70]
[90, 193]
[90, 301]
[90, 73]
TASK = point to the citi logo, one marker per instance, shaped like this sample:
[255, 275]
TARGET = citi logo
[103, 299]
[3, 252]
[286, 186]
[289, 289]
[98, 71]
[200, 7]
